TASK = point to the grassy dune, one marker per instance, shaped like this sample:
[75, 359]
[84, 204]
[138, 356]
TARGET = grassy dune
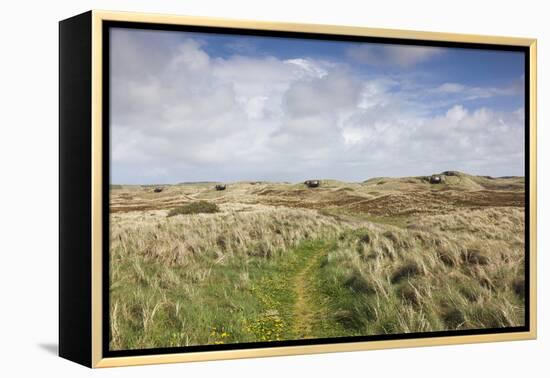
[276, 261]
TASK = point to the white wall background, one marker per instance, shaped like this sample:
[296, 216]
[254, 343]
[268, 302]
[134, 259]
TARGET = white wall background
[28, 185]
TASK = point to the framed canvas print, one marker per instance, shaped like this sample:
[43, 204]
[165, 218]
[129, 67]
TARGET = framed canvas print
[235, 189]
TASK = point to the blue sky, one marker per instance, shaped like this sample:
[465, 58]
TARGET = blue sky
[196, 106]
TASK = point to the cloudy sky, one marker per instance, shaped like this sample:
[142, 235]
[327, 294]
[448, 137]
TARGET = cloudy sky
[209, 107]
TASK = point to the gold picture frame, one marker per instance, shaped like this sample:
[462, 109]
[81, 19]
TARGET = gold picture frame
[84, 276]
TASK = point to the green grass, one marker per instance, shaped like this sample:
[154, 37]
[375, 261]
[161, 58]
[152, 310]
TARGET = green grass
[163, 306]
[370, 298]
[277, 274]
[247, 300]
[199, 207]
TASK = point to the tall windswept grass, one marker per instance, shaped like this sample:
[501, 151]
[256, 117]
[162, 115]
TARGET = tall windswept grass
[181, 240]
[188, 280]
[231, 266]
[466, 273]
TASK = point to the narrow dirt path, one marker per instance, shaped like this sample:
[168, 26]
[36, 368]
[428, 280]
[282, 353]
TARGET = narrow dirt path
[292, 307]
[306, 313]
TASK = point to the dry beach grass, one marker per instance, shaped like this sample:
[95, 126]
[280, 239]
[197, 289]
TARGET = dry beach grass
[276, 261]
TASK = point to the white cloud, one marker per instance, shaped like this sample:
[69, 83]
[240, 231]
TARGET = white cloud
[457, 113]
[331, 93]
[393, 55]
[473, 93]
[309, 67]
[180, 114]
[450, 88]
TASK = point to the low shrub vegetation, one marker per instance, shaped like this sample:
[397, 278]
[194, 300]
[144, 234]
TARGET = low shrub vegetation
[199, 207]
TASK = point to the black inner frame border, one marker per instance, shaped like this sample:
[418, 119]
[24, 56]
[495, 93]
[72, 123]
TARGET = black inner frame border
[106, 151]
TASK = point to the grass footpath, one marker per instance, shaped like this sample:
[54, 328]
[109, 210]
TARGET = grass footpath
[288, 274]
[292, 307]
[247, 300]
